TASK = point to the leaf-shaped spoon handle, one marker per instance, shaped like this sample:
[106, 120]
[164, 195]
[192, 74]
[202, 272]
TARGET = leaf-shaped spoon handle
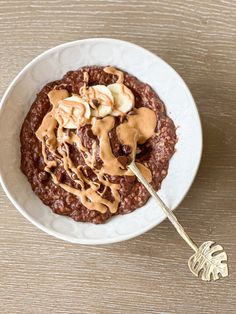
[209, 261]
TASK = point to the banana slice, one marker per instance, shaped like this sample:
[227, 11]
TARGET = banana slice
[72, 112]
[103, 97]
[123, 98]
[102, 111]
[77, 99]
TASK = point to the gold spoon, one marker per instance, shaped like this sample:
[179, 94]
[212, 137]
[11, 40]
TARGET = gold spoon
[209, 262]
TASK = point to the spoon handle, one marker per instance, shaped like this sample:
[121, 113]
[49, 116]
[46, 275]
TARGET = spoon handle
[165, 209]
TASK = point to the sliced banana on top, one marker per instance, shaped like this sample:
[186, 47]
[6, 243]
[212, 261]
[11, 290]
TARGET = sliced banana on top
[100, 97]
[123, 98]
[72, 112]
[78, 99]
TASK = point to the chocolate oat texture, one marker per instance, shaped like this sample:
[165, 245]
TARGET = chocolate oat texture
[79, 136]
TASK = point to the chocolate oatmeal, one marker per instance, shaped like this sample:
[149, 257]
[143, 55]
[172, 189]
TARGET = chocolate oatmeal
[81, 133]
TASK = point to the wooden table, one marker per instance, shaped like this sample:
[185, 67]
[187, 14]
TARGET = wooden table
[149, 274]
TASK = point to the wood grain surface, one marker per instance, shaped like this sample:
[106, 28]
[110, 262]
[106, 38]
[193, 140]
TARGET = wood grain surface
[149, 274]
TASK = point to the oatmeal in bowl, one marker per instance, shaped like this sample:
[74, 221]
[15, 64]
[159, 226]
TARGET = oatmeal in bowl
[80, 134]
[71, 122]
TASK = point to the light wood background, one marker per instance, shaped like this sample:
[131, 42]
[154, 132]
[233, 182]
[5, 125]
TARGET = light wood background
[149, 274]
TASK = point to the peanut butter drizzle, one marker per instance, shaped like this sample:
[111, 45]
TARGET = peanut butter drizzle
[114, 71]
[57, 145]
[89, 197]
[138, 128]
[127, 92]
[85, 85]
[101, 128]
[63, 117]
[49, 122]
[145, 171]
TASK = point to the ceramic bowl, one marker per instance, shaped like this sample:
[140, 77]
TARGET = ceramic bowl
[147, 67]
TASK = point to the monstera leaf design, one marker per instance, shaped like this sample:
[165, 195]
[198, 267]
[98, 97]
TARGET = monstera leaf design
[209, 262]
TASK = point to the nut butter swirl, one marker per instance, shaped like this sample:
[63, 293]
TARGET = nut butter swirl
[114, 71]
[135, 130]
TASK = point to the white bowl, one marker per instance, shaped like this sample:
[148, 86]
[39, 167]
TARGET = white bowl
[147, 67]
